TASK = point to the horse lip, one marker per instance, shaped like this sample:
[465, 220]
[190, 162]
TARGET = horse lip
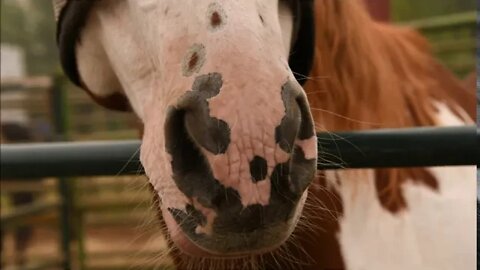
[181, 240]
[187, 246]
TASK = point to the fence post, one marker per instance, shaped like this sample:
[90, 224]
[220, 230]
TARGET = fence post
[65, 223]
[60, 120]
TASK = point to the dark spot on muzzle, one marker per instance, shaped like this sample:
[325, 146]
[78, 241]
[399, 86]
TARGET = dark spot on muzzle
[297, 122]
[216, 16]
[258, 169]
[193, 60]
[307, 127]
[302, 171]
[291, 179]
[215, 19]
[192, 215]
[237, 228]
[208, 132]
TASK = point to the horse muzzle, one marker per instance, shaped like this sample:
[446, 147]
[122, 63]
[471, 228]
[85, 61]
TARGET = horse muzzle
[246, 188]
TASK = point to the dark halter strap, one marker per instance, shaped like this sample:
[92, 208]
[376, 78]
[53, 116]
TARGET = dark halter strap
[73, 16]
[302, 52]
[71, 20]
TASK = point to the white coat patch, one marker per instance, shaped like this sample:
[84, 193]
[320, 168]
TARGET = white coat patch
[436, 231]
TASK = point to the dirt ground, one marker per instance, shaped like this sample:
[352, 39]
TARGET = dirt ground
[105, 248]
[113, 209]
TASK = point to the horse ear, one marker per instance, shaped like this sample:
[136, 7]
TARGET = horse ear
[82, 57]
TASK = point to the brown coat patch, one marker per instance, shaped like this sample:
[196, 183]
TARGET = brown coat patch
[388, 183]
[318, 235]
[115, 101]
[470, 82]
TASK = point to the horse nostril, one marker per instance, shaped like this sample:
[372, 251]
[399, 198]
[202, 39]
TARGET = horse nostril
[297, 122]
[295, 135]
[191, 171]
[179, 144]
[210, 133]
[307, 126]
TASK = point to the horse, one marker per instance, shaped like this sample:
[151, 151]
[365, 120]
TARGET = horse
[231, 95]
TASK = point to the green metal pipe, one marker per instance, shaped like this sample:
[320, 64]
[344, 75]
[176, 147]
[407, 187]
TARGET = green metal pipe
[418, 147]
[366, 149]
[60, 119]
[69, 159]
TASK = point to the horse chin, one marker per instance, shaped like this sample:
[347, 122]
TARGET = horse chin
[180, 239]
[188, 247]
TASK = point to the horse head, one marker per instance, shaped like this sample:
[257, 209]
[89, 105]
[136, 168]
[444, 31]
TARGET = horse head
[229, 143]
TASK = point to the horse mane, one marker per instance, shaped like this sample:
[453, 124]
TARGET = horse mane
[368, 75]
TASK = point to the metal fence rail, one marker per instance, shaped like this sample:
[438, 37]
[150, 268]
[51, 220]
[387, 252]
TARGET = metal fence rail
[365, 149]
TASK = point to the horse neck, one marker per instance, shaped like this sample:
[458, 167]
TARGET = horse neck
[370, 75]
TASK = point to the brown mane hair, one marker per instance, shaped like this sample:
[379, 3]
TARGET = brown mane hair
[372, 75]
[369, 75]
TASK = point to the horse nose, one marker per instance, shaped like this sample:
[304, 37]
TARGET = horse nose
[207, 132]
[191, 133]
[213, 134]
[240, 196]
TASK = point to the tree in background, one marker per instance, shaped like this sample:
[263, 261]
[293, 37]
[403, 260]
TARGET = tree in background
[405, 10]
[29, 24]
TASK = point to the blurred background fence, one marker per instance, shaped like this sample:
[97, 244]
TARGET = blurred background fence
[111, 223]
